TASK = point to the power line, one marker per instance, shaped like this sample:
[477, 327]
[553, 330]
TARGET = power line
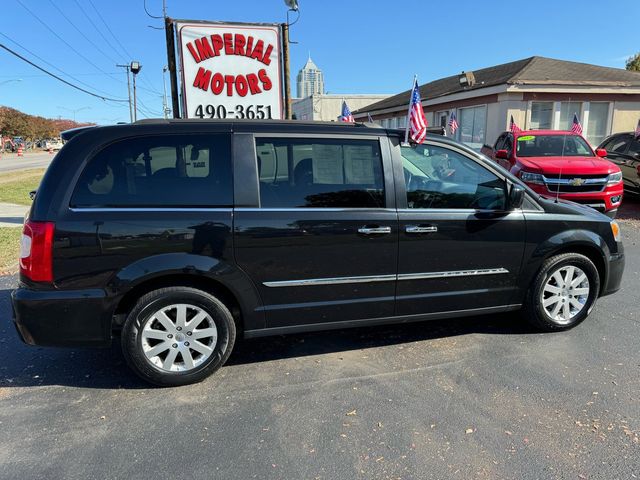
[62, 39]
[82, 33]
[144, 4]
[54, 67]
[109, 29]
[59, 78]
[143, 77]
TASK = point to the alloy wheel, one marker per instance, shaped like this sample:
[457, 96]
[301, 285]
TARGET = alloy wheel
[179, 337]
[565, 294]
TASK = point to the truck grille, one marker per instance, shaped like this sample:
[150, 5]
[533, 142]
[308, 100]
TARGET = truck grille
[575, 183]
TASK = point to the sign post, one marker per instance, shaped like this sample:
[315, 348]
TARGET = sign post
[171, 65]
[230, 71]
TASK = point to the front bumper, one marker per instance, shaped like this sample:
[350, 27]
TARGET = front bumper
[62, 318]
[615, 271]
[601, 201]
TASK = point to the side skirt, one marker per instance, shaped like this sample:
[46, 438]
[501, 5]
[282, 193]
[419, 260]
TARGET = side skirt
[314, 327]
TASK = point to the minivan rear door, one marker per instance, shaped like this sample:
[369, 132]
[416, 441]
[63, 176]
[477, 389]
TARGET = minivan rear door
[315, 226]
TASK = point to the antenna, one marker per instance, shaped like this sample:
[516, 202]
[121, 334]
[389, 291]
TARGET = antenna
[564, 143]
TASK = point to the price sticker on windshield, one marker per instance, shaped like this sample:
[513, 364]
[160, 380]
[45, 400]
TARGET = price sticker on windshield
[526, 138]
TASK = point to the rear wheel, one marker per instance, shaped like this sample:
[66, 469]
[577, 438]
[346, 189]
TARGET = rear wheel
[563, 293]
[177, 336]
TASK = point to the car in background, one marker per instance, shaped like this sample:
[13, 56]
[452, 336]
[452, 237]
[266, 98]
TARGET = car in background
[623, 149]
[560, 164]
[53, 144]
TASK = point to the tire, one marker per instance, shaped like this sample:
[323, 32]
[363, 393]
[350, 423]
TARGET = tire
[162, 344]
[550, 292]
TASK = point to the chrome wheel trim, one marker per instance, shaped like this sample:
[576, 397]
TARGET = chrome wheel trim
[179, 337]
[565, 294]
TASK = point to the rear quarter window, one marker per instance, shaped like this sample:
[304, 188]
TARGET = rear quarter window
[154, 171]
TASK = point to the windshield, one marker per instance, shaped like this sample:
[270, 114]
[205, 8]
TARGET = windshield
[552, 146]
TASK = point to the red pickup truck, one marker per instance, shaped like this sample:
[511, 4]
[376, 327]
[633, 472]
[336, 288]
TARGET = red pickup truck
[561, 164]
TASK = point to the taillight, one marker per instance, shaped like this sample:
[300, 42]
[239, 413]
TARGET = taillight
[36, 251]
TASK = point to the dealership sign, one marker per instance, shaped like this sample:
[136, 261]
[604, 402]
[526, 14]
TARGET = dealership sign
[230, 71]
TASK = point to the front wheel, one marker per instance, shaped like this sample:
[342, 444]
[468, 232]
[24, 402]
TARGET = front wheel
[563, 293]
[177, 336]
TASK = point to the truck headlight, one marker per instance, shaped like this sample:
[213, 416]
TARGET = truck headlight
[529, 177]
[614, 178]
[615, 229]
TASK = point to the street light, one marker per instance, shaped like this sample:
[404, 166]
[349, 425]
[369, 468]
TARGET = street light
[75, 110]
[135, 69]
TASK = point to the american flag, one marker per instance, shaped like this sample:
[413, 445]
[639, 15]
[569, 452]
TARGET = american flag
[575, 126]
[638, 130]
[417, 121]
[346, 113]
[453, 123]
[513, 126]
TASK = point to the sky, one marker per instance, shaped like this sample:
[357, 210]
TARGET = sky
[373, 46]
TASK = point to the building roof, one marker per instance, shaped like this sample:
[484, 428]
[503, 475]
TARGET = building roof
[310, 65]
[528, 71]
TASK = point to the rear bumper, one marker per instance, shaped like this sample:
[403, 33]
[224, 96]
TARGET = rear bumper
[62, 318]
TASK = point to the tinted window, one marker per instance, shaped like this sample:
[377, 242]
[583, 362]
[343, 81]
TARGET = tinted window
[438, 177]
[634, 149]
[168, 171]
[617, 144]
[499, 142]
[320, 173]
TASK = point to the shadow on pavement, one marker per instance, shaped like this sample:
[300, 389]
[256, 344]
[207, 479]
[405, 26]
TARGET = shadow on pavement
[27, 366]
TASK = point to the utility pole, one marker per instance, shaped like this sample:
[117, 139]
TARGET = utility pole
[287, 80]
[128, 90]
[165, 105]
[135, 68]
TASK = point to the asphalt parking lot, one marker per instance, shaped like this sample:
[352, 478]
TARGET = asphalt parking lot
[481, 397]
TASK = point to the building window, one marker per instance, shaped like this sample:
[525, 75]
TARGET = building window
[597, 123]
[541, 116]
[472, 129]
[442, 118]
[402, 122]
[567, 109]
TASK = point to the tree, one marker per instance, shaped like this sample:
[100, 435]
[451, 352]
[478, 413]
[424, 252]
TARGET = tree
[633, 63]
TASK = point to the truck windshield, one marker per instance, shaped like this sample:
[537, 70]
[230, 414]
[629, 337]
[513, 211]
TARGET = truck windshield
[552, 146]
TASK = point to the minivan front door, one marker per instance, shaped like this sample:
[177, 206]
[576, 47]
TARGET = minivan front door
[459, 247]
[320, 239]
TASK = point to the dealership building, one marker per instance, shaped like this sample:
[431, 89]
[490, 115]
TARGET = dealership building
[540, 93]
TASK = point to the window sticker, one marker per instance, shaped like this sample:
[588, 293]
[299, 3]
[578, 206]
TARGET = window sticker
[526, 138]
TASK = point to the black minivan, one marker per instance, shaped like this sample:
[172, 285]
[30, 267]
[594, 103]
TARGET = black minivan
[180, 235]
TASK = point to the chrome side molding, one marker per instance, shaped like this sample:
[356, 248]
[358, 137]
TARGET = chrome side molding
[385, 278]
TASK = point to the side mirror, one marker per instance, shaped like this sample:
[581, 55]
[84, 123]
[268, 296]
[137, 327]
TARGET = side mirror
[504, 154]
[601, 152]
[516, 196]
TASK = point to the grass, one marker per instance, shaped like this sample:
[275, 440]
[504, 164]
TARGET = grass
[15, 186]
[9, 249]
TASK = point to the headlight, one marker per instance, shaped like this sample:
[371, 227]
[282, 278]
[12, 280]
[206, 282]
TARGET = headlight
[529, 177]
[614, 178]
[615, 229]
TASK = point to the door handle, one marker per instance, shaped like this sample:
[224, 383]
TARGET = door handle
[374, 230]
[421, 229]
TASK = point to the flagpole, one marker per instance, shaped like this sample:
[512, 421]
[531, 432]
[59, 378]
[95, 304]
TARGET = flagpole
[406, 131]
